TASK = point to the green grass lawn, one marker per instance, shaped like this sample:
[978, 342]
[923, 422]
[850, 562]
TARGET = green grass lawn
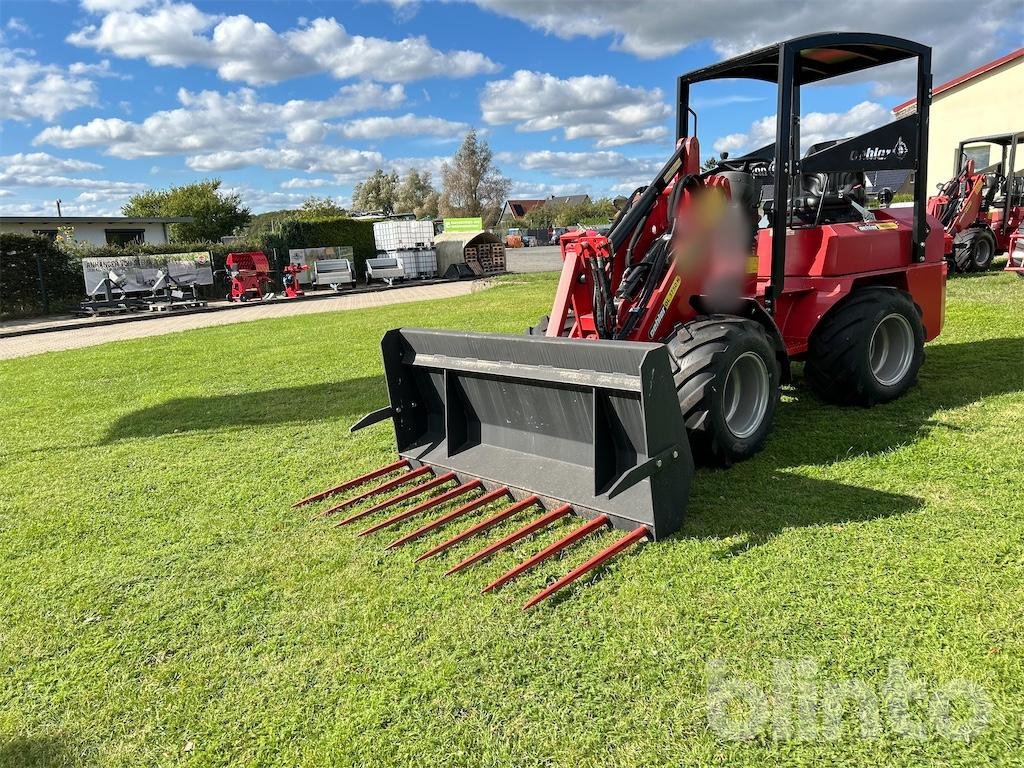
[162, 604]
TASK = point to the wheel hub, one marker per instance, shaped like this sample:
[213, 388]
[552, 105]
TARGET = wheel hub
[747, 393]
[891, 351]
[982, 252]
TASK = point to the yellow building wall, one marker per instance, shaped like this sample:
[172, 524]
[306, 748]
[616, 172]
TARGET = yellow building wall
[987, 104]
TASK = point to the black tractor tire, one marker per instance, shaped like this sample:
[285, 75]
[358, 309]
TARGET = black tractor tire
[974, 250]
[727, 378]
[541, 328]
[866, 350]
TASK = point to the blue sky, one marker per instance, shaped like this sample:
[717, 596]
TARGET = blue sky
[281, 100]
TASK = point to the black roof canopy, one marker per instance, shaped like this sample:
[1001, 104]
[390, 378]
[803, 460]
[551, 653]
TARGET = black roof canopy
[820, 57]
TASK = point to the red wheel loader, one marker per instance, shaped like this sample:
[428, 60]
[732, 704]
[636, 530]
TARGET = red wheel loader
[980, 210]
[670, 335]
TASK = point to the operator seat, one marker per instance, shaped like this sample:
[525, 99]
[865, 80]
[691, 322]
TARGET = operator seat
[994, 183]
[826, 198]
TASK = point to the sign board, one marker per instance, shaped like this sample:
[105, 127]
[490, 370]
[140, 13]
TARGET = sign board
[467, 224]
[142, 274]
[309, 256]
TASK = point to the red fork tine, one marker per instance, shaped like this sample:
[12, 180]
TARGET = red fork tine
[408, 493]
[605, 554]
[526, 530]
[476, 503]
[423, 506]
[571, 538]
[352, 483]
[483, 525]
[394, 482]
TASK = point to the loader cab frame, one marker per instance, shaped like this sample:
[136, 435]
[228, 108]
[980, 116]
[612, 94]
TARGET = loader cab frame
[1013, 191]
[901, 144]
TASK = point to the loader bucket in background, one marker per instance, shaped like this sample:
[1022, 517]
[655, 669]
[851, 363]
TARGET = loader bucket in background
[571, 425]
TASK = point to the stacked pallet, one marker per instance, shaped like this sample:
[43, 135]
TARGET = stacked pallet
[486, 258]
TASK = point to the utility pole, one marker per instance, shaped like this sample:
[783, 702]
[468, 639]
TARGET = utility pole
[58, 208]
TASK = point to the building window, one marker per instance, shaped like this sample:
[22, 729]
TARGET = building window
[50, 234]
[125, 236]
[980, 156]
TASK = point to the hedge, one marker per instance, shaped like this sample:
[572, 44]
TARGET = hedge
[317, 233]
[21, 295]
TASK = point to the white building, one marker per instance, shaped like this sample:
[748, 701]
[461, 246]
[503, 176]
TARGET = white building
[95, 230]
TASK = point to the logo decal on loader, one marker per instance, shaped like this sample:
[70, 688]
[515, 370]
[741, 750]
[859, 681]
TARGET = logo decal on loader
[664, 306]
[899, 150]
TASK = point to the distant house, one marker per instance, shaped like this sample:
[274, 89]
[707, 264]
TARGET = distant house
[514, 210]
[96, 230]
[567, 200]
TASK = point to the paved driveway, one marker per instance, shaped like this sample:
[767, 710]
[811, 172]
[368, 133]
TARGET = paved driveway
[541, 258]
[73, 338]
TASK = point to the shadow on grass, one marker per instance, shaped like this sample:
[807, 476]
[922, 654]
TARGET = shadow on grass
[809, 431]
[345, 401]
[758, 499]
[756, 506]
[35, 752]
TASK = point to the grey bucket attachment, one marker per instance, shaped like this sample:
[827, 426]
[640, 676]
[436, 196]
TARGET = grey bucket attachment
[595, 424]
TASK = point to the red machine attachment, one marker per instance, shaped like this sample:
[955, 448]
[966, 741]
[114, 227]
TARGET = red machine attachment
[250, 275]
[292, 286]
[484, 499]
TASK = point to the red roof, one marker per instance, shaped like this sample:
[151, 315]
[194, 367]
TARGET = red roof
[967, 76]
[520, 208]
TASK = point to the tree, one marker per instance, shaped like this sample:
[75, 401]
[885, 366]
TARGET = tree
[710, 164]
[216, 213]
[417, 195]
[471, 184]
[553, 214]
[377, 193]
[314, 207]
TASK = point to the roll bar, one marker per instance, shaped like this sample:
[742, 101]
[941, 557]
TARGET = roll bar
[902, 144]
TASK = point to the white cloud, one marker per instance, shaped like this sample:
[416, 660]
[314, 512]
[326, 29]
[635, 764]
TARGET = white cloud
[653, 28]
[102, 6]
[814, 127]
[30, 89]
[307, 131]
[345, 164]
[42, 170]
[260, 200]
[32, 163]
[534, 191]
[102, 69]
[579, 165]
[243, 49]
[307, 183]
[210, 120]
[589, 106]
[18, 26]
[372, 128]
